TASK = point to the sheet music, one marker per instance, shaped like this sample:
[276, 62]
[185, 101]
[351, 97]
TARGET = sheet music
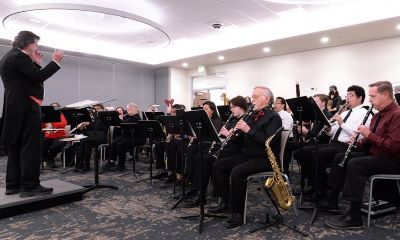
[82, 104]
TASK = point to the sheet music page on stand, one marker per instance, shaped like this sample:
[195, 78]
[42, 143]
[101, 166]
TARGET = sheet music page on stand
[82, 104]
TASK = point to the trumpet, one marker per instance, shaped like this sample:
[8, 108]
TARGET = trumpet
[233, 133]
[354, 140]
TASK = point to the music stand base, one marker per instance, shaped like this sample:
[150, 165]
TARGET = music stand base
[93, 187]
[201, 219]
[72, 170]
[144, 179]
[278, 221]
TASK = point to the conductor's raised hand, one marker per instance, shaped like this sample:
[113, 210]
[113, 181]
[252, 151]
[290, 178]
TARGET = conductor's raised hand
[242, 125]
[57, 56]
[37, 57]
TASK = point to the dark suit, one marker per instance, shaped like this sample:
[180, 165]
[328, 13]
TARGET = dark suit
[21, 125]
[230, 173]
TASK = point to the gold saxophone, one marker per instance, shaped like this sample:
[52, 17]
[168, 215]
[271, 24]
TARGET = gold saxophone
[277, 184]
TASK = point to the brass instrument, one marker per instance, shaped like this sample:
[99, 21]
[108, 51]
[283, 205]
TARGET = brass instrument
[233, 133]
[354, 140]
[277, 184]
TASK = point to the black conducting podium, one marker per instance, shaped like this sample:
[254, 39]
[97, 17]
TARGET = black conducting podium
[204, 131]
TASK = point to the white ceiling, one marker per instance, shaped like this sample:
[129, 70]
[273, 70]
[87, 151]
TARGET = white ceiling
[169, 32]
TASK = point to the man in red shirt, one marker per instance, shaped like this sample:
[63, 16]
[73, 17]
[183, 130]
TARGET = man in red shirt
[381, 142]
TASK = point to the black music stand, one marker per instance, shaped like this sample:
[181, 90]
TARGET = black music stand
[185, 131]
[150, 129]
[397, 96]
[196, 108]
[96, 184]
[225, 112]
[49, 115]
[171, 125]
[109, 118]
[319, 117]
[131, 127]
[74, 117]
[153, 115]
[302, 111]
[205, 131]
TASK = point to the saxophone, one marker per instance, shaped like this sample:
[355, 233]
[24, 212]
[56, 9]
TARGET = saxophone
[277, 184]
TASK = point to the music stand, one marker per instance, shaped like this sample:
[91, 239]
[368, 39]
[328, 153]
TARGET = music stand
[131, 127]
[150, 129]
[225, 112]
[153, 115]
[49, 115]
[319, 117]
[109, 118]
[171, 125]
[96, 184]
[196, 108]
[205, 131]
[75, 116]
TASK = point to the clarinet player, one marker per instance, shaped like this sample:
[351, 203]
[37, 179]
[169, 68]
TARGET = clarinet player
[381, 142]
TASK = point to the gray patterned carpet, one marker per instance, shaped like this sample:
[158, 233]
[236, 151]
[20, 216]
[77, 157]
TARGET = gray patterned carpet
[136, 211]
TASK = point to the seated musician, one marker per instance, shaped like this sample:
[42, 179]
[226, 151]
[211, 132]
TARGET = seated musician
[346, 125]
[238, 107]
[192, 151]
[307, 133]
[230, 173]
[382, 142]
[51, 146]
[172, 149]
[280, 108]
[122, 144]
[98, 136]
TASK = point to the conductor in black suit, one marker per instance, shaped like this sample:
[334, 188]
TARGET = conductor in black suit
[23, 79]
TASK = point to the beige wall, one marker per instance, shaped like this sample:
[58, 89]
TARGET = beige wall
[361, 64]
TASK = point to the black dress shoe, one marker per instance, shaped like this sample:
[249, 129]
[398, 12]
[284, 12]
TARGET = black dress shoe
[36, 191]
[327, 207]
[12, 191]
[221, 208]
[235, 220]
[160, 175]
[345, 222]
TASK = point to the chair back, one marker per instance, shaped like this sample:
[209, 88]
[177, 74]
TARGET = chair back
[67, 130]
[284, 137]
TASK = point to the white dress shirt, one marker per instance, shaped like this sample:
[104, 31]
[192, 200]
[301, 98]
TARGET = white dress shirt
[287, 120]
[351, 125]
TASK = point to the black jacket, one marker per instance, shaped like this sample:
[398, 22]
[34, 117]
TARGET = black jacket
[21, 78]
[263, 124]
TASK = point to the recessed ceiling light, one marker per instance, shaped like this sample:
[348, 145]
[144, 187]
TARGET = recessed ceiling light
[324, 39]
[185, 64]
[266, 49]
[221, 58]
[398, 26]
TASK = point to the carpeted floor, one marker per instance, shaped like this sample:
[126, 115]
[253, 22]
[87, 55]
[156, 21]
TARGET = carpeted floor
[137, 211]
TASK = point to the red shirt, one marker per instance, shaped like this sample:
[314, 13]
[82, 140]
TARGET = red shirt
[60, 133]
[386, 139]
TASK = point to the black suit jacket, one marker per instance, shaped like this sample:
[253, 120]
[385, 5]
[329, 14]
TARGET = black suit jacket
[21, 78]
[263, 125]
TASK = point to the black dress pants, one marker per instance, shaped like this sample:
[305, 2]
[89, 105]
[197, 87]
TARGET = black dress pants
[326, 154]
[159, 151]
[24, 156]
[358, 169]
[230, 177]
[121, 145]
[51, 147]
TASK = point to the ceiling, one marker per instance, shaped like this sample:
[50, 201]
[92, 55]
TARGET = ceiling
[170, 32]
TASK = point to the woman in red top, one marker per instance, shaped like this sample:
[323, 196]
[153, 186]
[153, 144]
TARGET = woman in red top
[51, 145]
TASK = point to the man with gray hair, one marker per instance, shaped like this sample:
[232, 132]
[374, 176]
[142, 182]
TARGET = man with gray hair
[230, 173]
[122, 144]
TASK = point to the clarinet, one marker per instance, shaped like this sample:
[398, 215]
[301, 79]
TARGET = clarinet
[351, 145]
[225, 125]
[229, 137]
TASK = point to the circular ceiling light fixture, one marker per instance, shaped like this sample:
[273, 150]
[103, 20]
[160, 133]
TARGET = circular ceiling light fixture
[66, 25]
[266, 49]
[324, 39]
[308, 1]
[221, 58]
[185, 64]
